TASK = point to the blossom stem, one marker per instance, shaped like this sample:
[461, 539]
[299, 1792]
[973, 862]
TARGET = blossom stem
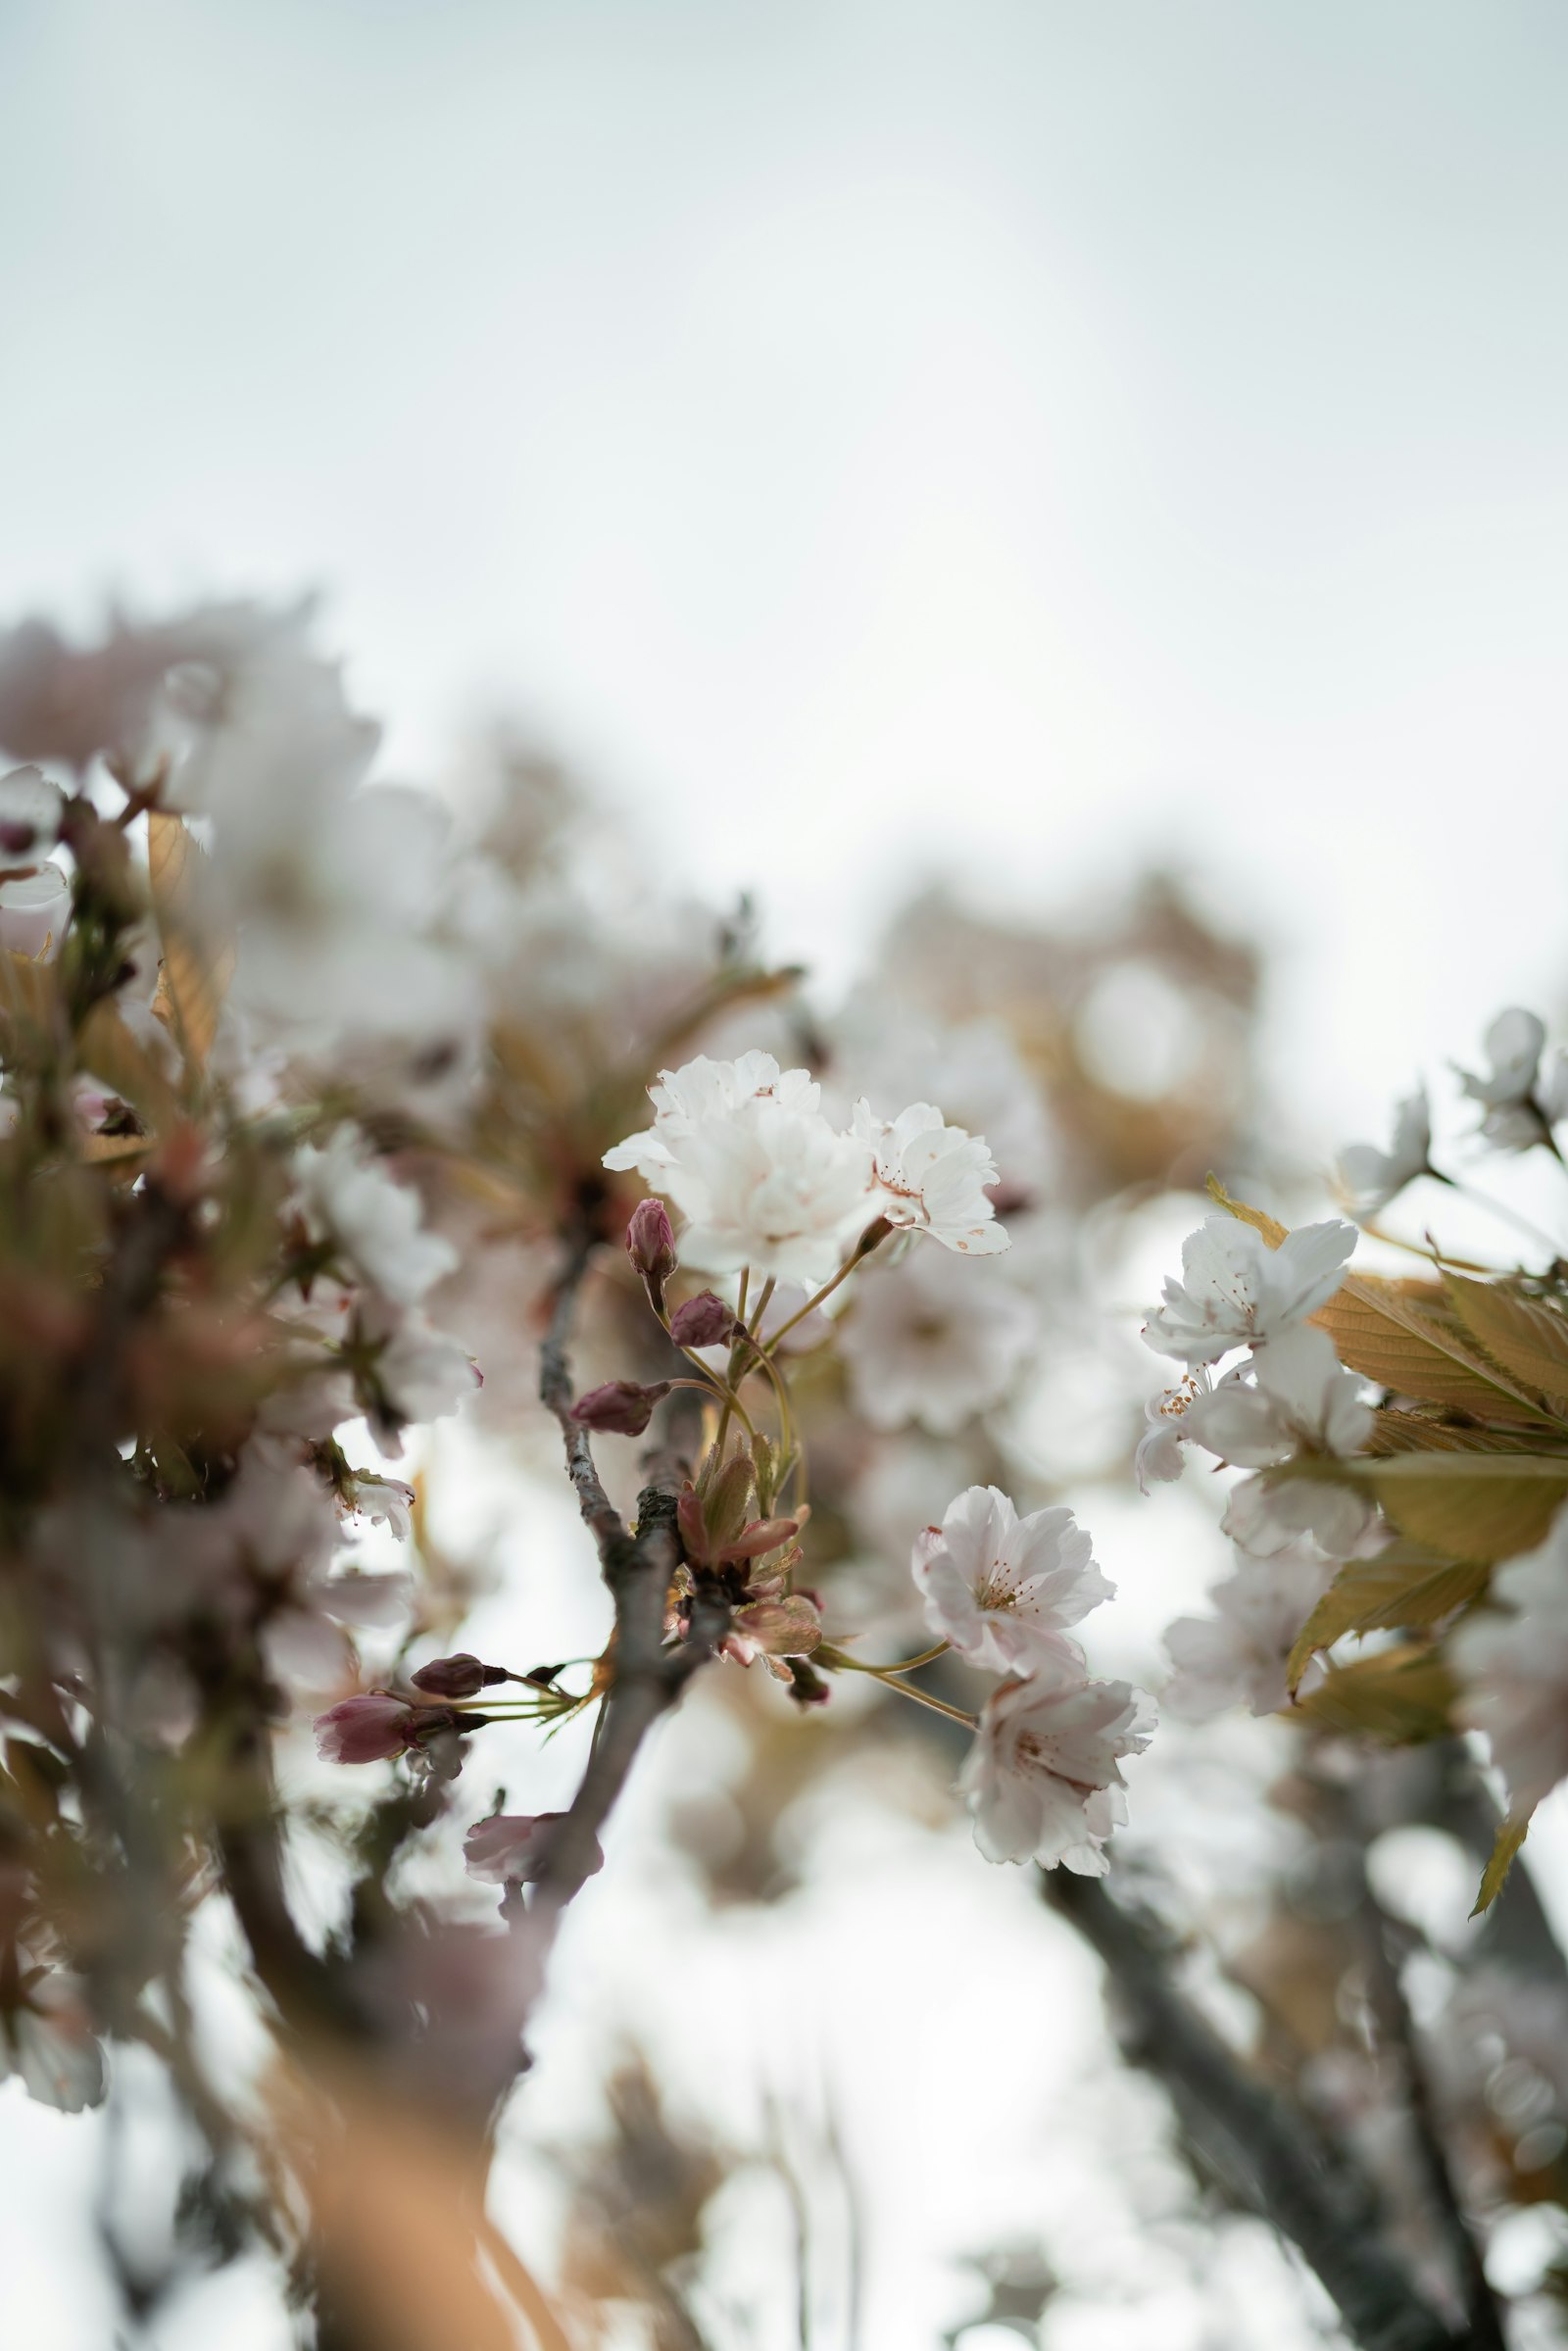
[905, 1665]
[872, 1238]
[734, 1357]
[890, 1681]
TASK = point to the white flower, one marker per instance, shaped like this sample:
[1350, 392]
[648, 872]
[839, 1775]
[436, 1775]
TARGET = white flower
[933, 1178]
[346, 1198]
[1522, 1102]
[1001, 1590]
[1160, 1453]
[974, 1070]
[1265, 1515]
[1301, 1392]
[934, 1341]
[1514, 1669]
[749, 1159]
[34, 910]
[47, 2036]
[1041, 1776]
[30, 809]
[1238, 1655]
[422, 1373]
[1372, 1177]
[1238, 1292]
[384, 1501]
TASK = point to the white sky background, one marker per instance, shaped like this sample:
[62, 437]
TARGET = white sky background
[873, 440]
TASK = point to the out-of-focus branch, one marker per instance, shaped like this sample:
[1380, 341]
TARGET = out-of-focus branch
[1265, 2148]
[648, 1671]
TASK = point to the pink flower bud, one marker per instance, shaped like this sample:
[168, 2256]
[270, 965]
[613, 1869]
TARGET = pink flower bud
[510, 1847]
[703, 1321]
[458, 1677]
[621, 1408]
[651, 1247]
[364, 1729]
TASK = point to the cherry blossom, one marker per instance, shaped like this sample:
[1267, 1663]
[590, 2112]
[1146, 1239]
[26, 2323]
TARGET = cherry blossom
[1514, 1668]
[34, 910]
[1373, 1177]
[1522, 1102]
[508, 1849]
[1238, 1292]
[30, 809]
[933, 1178]
[1238, 1655]
[1301, 1392]
[935, 1341]
[1043, 1780]
[761, 1178]
[378, 1224]
[1159, 1455]
[1001, 1590]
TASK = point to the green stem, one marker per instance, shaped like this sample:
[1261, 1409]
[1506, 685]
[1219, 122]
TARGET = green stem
[872, 1238]
[889, 1680]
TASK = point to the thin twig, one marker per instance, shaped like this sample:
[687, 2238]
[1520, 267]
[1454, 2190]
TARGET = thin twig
[1266, 2148]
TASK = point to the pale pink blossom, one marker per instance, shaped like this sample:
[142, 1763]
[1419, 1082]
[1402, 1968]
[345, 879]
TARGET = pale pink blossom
[933, 1178]
[1238, 1655]
[1043, 1780]
[1001, 1590]
[1513, 1659]
[1238, 1292]
[935, 1341]
[761, 1177]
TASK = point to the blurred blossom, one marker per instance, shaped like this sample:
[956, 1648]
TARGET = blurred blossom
[1373, 1177]
[935, 1342]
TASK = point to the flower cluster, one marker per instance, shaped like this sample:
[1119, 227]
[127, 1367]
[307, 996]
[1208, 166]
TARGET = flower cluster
[1042, 1778]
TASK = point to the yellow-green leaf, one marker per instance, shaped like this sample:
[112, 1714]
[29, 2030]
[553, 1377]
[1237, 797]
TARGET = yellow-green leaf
[1511, 1837]
[109, 1050]
[198, 954]
[1260, 1219]
[1525, 1336]
[1404, 1585]
[1413, 1433]
[1401, 1696]
[1485, 1506]
[1382, 1330]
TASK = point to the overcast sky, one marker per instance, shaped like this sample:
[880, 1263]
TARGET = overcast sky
[1004, 439]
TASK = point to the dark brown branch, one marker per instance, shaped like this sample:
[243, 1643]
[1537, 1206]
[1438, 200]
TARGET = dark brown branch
[1267, 2152]
[599, 1514]
[648, 1671]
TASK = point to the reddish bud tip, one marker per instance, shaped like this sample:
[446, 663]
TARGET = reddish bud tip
[650, 1241]
[703, 1321]
[620, 1408]
[458, 1677]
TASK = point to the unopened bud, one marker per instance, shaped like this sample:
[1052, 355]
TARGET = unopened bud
[621, 1408]
[458, 1677]
[651, 1247]
[703, 1321]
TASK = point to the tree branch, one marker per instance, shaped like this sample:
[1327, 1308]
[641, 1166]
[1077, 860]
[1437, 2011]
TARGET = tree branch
[1267, 2150]
[648, 1671]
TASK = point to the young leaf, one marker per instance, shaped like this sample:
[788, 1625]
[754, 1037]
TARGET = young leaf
[1414, 1433]
[108, 1051]
[1485, 1506]
[1404, 1585]
[198, 959]
[1527, 1337]
[1511, 1837]
[1400, 1695]
[1381, 1330]
[1260, 1219]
